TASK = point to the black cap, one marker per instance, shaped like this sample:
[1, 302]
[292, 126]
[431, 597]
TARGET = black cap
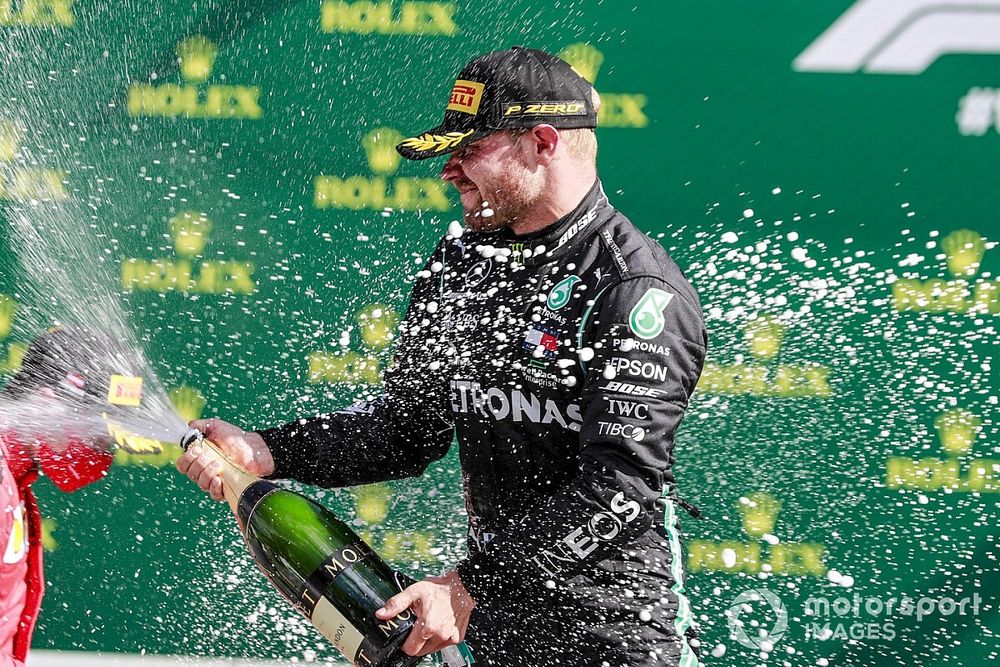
[504, 90]
[79, 363]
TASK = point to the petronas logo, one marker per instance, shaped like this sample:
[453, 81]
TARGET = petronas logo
[560, 294]
[196, 57]
[964, 250]
[190, 232]
[646, 319]
[380, 149]
[759, 512]
[957, 429]
[764, 336]
[188, 402]
[583, 58]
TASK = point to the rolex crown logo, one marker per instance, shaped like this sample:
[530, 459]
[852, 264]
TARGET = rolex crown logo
[380, 148]
[10, 140]
[583, 58]
[196, 56]
[7, 309]
[190, 232]
[760, 513]
[964, 250]
[957, 429]
[187, 401]
[377, 325]
[372, 502]
[764, 336]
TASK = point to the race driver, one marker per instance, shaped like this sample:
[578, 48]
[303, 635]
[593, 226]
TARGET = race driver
[560, 345]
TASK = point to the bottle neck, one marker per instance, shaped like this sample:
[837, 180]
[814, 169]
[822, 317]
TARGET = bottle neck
[235, 480]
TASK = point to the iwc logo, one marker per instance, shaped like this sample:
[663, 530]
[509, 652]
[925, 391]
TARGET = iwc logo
[195, 98]
[25, 184]
[380, 192]
[388, 18]
[189, 230]
[965, 293]
[37, 13]
[759, 512]
[617, 109]
[958, 470]
[762, 377]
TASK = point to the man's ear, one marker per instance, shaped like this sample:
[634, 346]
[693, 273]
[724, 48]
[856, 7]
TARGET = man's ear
[544, 142]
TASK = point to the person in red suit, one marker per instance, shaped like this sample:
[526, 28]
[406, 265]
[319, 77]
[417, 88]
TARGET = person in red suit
[65, 370]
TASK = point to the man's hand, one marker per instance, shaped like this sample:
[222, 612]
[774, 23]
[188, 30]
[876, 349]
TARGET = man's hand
[244, 448]
[442, 606]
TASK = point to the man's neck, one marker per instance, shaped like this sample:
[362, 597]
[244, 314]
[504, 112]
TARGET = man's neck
[562, 196]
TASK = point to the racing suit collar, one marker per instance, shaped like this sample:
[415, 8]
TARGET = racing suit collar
[566, 232]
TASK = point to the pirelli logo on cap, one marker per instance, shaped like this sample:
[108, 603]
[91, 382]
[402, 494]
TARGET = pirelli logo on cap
[465, 97]
[125, 390]
[571, 108]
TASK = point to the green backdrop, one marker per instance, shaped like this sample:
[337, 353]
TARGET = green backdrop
[824, 172]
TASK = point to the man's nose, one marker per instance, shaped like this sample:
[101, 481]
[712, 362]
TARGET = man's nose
[450, 171]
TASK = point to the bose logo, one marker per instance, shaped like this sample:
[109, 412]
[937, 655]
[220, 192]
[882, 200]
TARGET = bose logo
[903, 36]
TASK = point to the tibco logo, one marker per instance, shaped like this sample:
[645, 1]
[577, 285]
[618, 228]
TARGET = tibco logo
[903, 36]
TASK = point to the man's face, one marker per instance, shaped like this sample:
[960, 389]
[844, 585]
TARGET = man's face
[494, 181]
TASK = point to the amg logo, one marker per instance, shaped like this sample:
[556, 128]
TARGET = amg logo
[903, 37]
[628, 409]
[582, 541]
[634, 389]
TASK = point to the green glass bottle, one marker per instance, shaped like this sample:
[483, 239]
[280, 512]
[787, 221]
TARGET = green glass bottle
[322, 567]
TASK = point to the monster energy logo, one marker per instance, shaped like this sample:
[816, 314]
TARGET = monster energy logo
[646, 319]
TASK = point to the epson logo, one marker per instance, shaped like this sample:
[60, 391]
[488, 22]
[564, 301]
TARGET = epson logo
[634, 389]
[580, 543]
[639, 368]
[517, 405]
[903, 36]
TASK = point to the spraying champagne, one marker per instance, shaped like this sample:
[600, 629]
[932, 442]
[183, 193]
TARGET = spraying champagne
[322, 567]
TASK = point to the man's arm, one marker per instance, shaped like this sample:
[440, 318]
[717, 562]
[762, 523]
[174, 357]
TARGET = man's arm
[394, 435]
[641, 329]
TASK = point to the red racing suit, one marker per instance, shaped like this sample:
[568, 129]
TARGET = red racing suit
[21, 579]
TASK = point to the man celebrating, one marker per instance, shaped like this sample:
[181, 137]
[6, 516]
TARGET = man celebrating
[560, 346]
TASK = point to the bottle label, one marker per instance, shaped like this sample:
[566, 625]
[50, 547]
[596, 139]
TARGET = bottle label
[332, 567]
[332, 624]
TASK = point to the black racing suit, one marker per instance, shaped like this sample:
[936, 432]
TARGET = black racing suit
[563, 362]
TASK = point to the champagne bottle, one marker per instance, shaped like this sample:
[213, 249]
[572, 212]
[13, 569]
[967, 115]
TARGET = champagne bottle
[322, 567]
